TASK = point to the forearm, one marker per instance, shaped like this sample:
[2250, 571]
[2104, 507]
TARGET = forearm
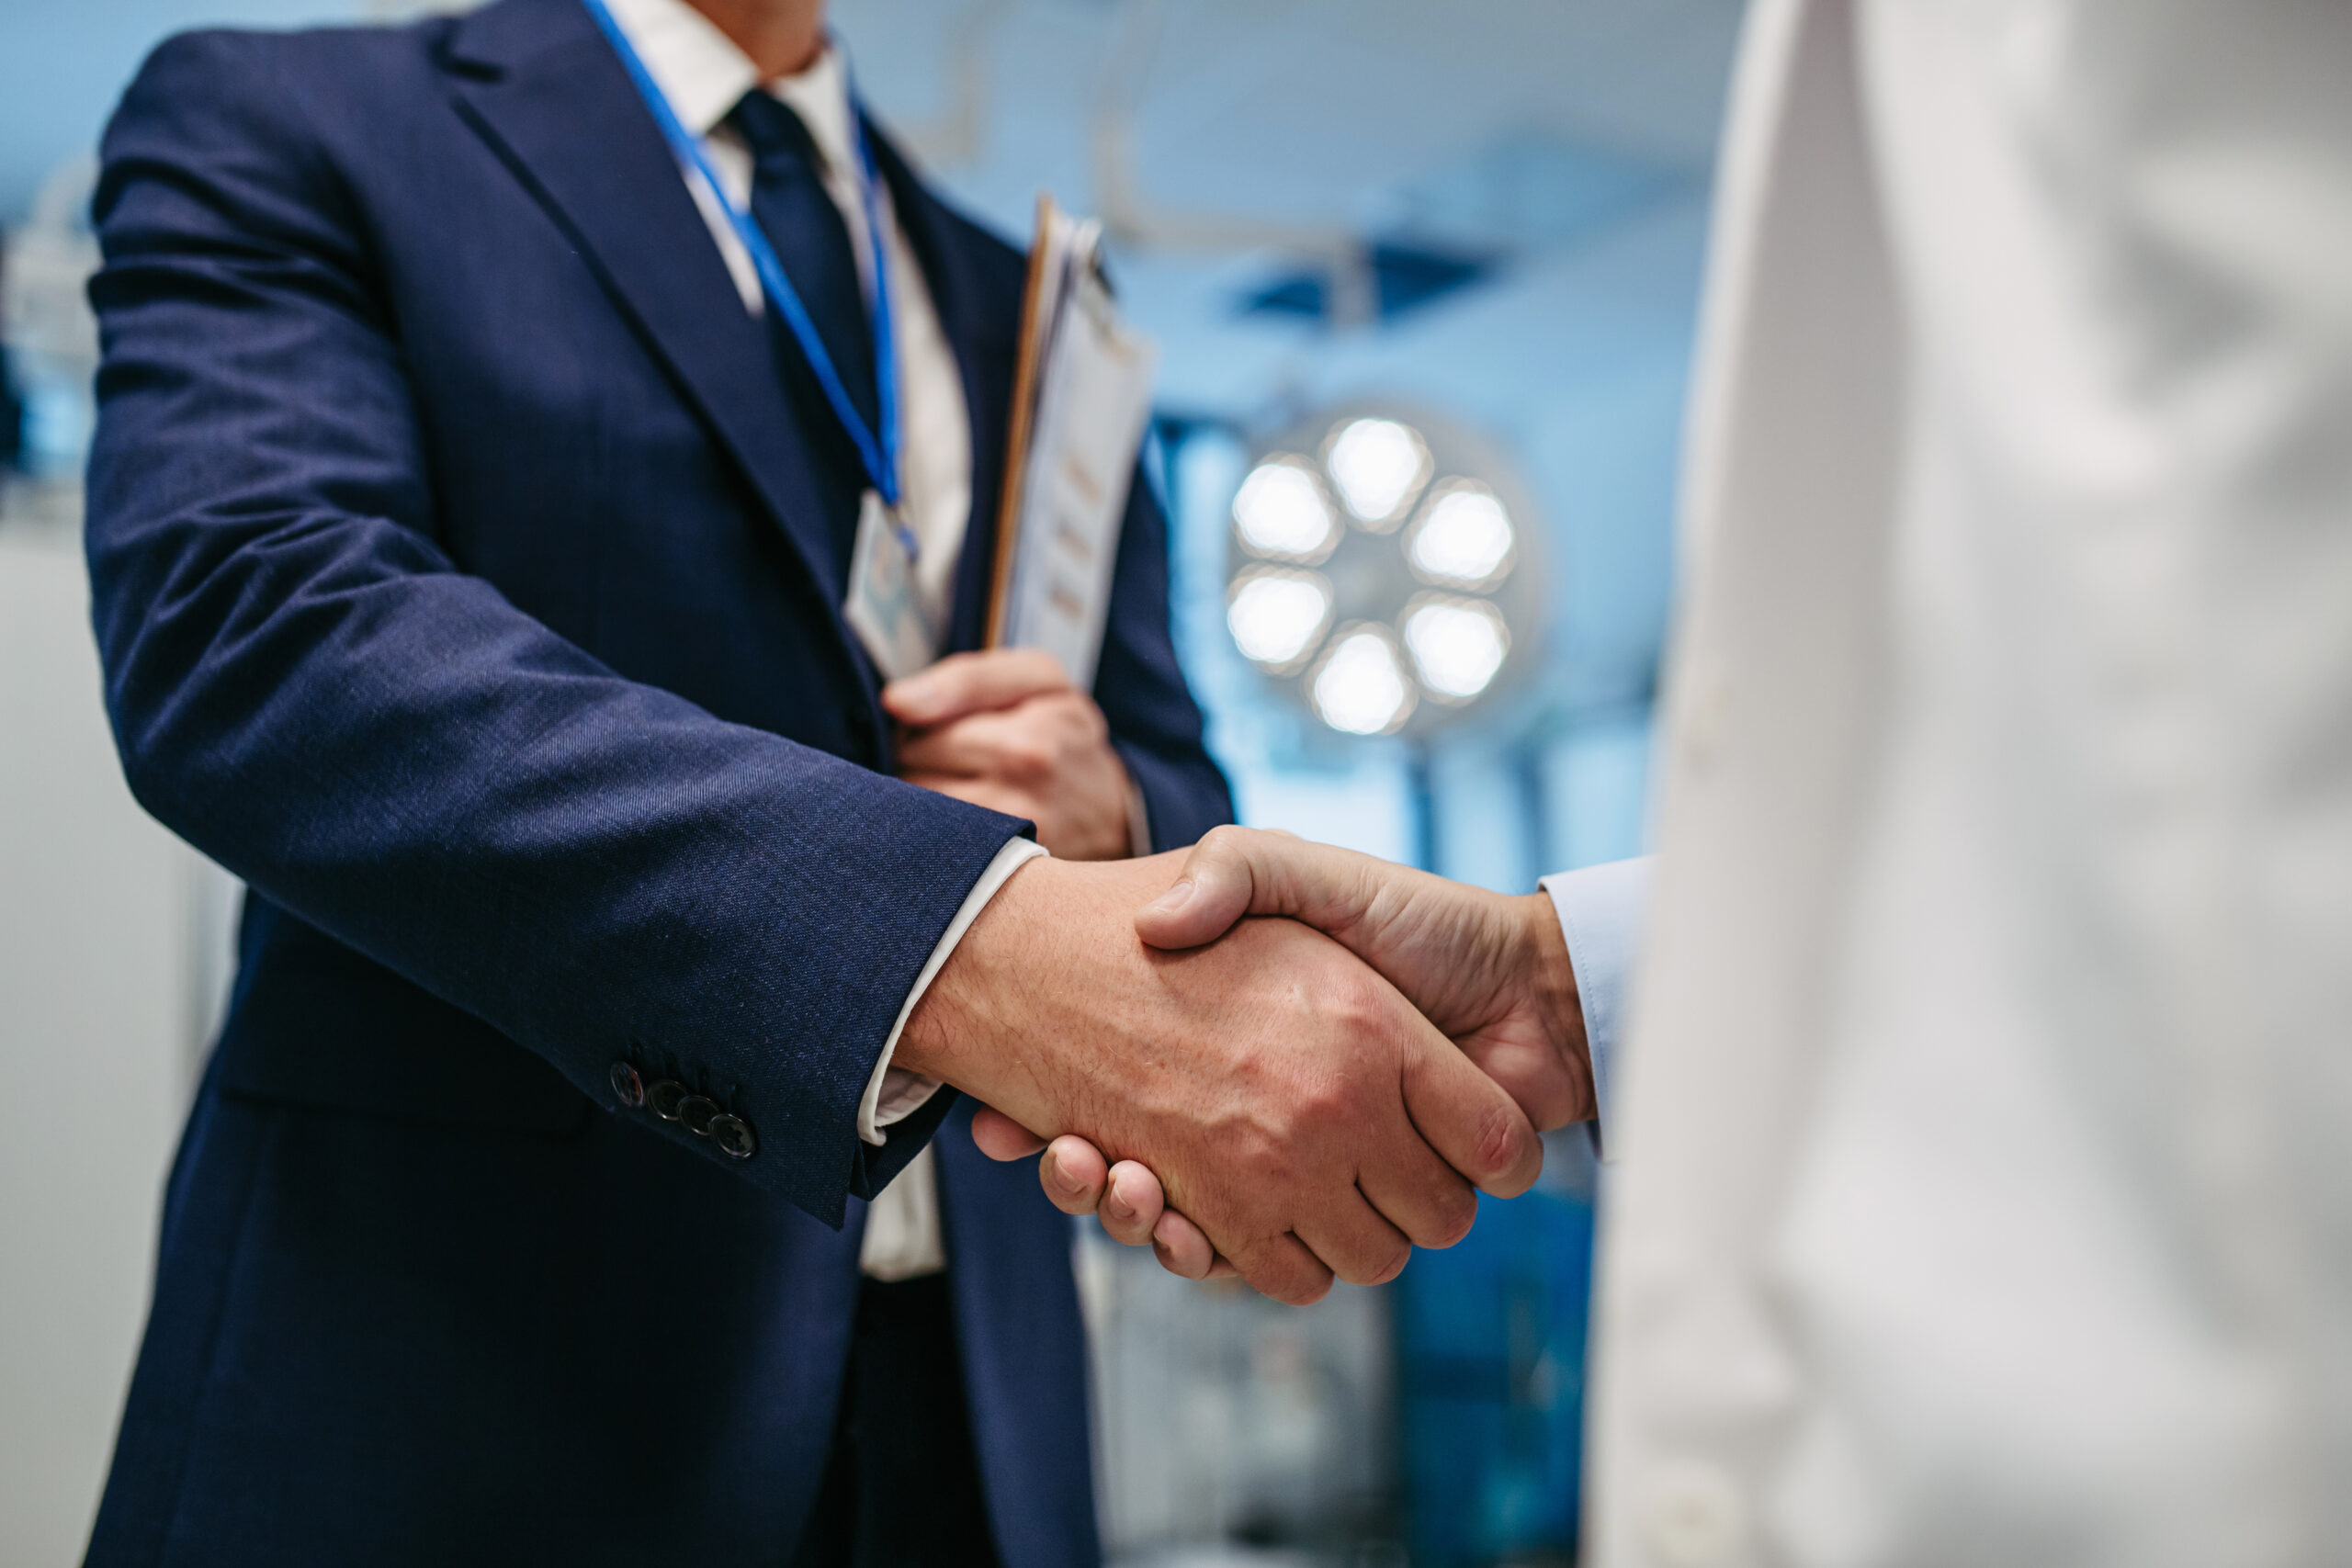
[305, 685]
[599, 869]
[1041, 963]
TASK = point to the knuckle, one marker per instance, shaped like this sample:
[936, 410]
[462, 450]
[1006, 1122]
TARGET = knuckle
[1028, 760]
[1216, 850]
[1497, 1140]
[1267, 1156]
[1226, 838]
[1352, 999]
[1315, 1105]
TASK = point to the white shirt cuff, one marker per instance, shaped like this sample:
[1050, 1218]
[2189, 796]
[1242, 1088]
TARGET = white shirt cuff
[1601, 909]
[893, 1094]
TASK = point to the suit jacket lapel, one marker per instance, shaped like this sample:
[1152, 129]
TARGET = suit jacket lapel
[541, 83]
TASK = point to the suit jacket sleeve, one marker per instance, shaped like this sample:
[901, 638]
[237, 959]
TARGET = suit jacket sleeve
[304, 686]
[1155, 724]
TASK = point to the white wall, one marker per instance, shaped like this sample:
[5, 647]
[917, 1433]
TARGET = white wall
[109, 970]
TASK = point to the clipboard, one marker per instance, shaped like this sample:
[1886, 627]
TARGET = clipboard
[1081, 403]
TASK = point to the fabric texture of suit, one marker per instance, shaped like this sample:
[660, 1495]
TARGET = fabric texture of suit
[466, 575]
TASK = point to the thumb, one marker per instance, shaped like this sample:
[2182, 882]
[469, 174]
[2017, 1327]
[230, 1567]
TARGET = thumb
[1245, 870]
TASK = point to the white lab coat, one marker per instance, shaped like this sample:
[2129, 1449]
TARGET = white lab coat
[1985, 1128]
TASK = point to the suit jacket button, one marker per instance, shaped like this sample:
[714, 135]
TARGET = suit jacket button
[665, 1096]
[627, 1087]
[696, 1112]
[733, 1137]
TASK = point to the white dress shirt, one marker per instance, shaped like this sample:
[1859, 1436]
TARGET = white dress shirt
[1601, 909]
[704, 76]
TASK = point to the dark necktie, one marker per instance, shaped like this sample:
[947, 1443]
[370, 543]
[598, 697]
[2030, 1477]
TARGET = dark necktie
[789, 203]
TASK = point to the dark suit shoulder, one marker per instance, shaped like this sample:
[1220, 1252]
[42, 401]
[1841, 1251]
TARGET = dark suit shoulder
[217, 88]
[207, 62]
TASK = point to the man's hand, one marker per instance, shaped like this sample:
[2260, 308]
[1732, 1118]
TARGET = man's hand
[1006, 730]
[1491, 971]
[1293, 1105]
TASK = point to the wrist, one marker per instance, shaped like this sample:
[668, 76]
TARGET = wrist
[1038, 971]
[1552, 986]
[957, 1015]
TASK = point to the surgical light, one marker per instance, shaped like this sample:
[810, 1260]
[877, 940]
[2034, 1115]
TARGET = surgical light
[1281, 511]
[1359, 687]
[1464, 537]
[1458, 645]
[1275, 616]
[1380, 570]
[1378, 466]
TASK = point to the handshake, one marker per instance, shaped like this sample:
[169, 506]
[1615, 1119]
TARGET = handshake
[1264, 1056]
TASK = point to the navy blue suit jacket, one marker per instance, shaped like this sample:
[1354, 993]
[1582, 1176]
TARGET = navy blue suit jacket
[466, 570]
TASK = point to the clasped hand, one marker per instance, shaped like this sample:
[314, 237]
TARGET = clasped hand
[1005, 729]
[1291, 1098]
[1488, 973]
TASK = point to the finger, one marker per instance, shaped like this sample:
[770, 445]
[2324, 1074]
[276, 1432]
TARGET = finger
[1472, 1124]
[1072, 1174]
[1240, 870]
[1281, 1267]
[1355, 1243]
[1132, 1203]
[973, 682]
[988, 793]
[1000, 1137]
[1420, 1195]
[979, 743]
[1030, 744]
[1182, 1249]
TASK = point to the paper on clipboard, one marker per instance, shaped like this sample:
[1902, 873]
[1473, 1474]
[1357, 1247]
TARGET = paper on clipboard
[1082, 399]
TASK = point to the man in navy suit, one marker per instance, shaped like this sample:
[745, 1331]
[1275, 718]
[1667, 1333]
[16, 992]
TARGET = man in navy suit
[580, 1175]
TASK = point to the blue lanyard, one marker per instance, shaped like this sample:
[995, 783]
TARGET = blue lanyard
[877, 450]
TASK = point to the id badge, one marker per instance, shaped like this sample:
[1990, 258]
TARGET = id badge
[884, 608]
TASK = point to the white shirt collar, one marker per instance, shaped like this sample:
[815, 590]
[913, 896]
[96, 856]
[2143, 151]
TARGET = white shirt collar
[704, 76]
